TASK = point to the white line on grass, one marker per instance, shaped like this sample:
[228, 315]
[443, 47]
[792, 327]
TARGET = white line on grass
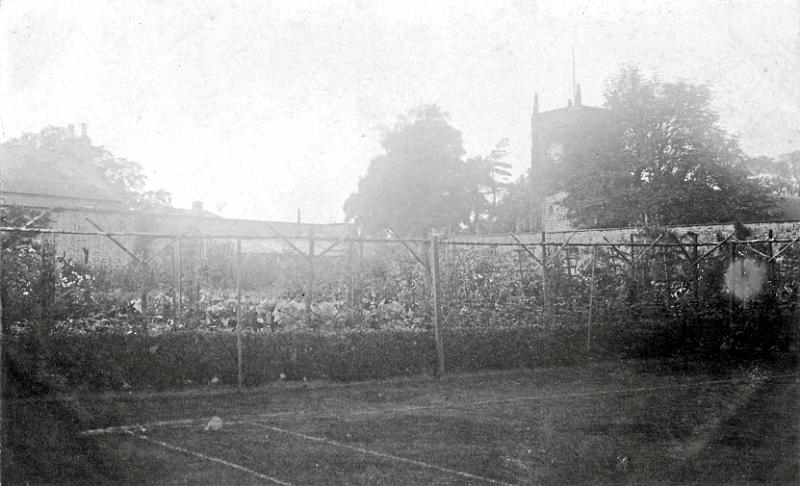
[210, 458]
[382, 454]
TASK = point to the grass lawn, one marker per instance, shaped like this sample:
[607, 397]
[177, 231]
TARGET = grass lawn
[602, 423]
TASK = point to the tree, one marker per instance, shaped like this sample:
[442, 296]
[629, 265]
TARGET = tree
[781, 175]
[420, 182]
[126, 177]
[489, 173]
[512, 213]
[661, 160]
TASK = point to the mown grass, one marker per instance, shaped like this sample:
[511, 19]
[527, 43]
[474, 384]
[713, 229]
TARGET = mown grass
[602, 423]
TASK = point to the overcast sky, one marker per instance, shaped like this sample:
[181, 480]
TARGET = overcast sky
[260, 108]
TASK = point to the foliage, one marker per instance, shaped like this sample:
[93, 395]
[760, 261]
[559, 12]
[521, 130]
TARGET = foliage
[489, 174]
[512, 213]
[125, 177]
[662, 159]
[419, 182]
[174, 360]
[26, 278]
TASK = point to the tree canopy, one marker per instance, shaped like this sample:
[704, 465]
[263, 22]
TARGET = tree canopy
[661, 160]
[125, 177]
[420, 182]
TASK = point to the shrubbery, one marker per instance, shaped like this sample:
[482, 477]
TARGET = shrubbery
[75, 324]
[174, 360]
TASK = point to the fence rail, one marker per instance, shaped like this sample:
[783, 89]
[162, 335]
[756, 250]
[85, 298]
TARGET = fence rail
[196, 281]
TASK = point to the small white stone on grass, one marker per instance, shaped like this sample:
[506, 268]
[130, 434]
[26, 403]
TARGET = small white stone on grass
[215, 381]
[215, 424]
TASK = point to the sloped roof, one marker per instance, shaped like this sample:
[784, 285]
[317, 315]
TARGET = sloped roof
[30, 170]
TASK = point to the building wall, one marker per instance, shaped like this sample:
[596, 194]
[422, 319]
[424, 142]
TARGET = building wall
[103, 251]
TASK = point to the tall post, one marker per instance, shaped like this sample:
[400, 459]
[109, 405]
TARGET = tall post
[667, 279]
[591, 301]
[632, 275]
[350, 276]
[545, 297]
[732, 258]
[2, 321]
[772, 277]
[179, 304]
[173, 290]
[310, 274]
[239, 311]
[695, 269]
[144, 270]
[435, 291]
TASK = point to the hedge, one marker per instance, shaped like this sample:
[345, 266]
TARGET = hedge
[98, 362]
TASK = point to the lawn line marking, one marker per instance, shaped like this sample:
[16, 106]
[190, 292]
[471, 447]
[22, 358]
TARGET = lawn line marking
[139, 427]
[410, 408]
[382, 454]
[210, 458]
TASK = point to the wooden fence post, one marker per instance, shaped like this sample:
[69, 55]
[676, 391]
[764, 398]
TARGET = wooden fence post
[351, 300]
[545, 296]
[310, 275]
[634, 284]
[2, 320]
[695, 270]
[239, 311]
[732, 260]
[435, 292]
[771, 269]
[145, 273]
[591, 301]
[179, 306]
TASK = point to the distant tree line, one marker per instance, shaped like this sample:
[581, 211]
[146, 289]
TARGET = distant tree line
[661, 159]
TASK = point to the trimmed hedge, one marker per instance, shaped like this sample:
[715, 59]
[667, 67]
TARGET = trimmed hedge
[173, 360]
[95, 362]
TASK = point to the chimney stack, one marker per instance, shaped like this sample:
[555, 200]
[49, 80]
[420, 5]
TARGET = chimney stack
[197, 205]
[71, 131]
[535, 103]
[84, 130]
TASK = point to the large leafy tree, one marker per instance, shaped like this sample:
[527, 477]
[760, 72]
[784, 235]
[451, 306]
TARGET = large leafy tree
[420, 182]
[126, 177]
[661, 159]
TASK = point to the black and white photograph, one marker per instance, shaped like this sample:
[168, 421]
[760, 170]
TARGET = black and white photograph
[422, 242]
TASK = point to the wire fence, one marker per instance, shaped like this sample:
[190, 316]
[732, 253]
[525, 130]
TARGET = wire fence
[78, 282]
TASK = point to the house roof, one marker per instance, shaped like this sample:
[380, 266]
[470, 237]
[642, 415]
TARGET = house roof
[36, 171]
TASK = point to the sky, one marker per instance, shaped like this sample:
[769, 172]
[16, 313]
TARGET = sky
[262, 108]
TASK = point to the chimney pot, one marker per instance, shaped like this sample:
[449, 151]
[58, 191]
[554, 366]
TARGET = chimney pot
[197, 205]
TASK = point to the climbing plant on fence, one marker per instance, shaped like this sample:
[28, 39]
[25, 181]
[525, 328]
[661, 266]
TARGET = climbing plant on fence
[659, 293]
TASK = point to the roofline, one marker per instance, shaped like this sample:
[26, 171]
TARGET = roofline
[3, 193]
[574, 108]
[130, 212]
